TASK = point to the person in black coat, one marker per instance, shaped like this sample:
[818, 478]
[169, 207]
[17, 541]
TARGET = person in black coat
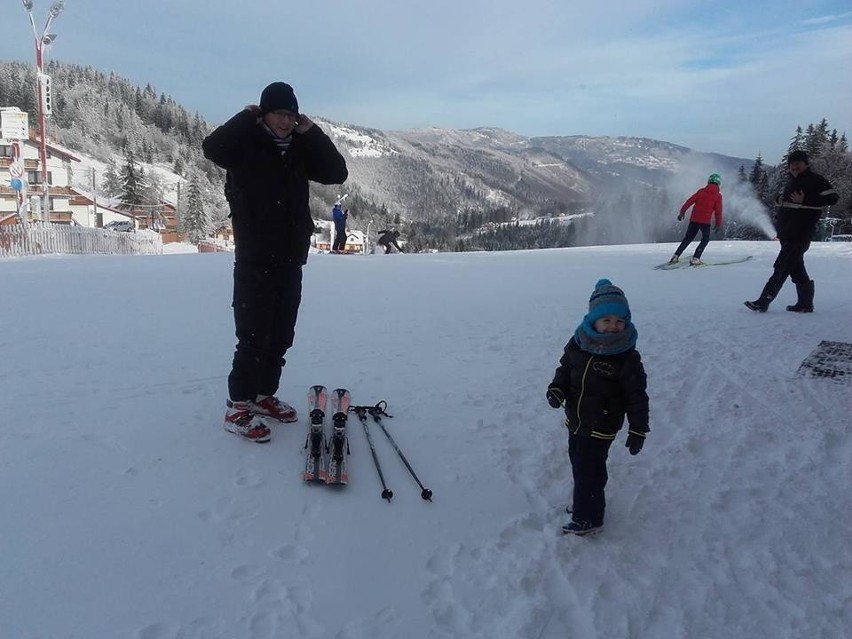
[600, 379]
[387, 239]
[800, 206]
[270, 152]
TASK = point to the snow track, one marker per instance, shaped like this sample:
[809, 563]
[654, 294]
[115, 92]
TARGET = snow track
[129, 508]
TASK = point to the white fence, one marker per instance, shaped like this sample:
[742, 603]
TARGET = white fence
[38, 238]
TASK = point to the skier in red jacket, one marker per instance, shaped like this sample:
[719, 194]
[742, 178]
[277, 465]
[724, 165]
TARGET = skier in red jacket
[706, 204]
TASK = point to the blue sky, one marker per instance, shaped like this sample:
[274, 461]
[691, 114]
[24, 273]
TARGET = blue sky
[728, 77]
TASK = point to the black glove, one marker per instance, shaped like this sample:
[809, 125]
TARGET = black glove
[680, 217]
[634, 443]
[555, 396]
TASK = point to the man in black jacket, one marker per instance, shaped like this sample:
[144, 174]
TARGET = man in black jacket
[799, 209]
[270, 152]
[387, 239]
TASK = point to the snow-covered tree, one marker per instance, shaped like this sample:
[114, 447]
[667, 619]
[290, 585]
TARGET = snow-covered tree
[132, 182]
[194, 219]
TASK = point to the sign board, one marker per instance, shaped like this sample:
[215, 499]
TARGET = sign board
[14, 124]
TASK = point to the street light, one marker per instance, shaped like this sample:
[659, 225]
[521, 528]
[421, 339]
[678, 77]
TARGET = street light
[43, 92]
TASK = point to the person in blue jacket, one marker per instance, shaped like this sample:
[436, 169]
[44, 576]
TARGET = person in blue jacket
[340, 218]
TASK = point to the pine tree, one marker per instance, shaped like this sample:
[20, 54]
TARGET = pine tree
[132, 182]
[759, 179]
[194, 220]
[111, 186]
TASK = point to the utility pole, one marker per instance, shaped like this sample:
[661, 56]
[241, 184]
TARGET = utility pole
[43, 92]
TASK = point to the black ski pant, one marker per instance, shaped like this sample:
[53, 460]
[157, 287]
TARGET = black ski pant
[789, 263]
[339, 238]
[266, 303]
[691, 232]
[588, 457]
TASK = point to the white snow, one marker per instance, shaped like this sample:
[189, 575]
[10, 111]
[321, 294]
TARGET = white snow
[127, 511]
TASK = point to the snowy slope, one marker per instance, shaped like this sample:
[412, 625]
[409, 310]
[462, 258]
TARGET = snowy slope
[129, 512]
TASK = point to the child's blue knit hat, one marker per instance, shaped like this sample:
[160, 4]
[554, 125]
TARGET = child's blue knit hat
[607, 299]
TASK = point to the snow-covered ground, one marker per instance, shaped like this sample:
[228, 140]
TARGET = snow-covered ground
[127, 511]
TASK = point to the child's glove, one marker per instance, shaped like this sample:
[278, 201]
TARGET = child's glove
[555, 396]
[680, 217]
[634, 443]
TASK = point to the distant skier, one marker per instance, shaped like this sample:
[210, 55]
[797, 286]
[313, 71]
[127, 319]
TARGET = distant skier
[799, 209]
[600, 378]
[387, 240]
[706, 204]
[340, 217]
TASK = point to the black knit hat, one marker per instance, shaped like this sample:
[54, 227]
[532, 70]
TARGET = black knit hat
[798, 156]
[278, 95]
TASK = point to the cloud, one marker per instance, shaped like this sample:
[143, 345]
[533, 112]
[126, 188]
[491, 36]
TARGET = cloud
[732, 79]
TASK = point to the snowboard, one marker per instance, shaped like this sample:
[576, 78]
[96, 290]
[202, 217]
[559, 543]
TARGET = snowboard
[685, 263]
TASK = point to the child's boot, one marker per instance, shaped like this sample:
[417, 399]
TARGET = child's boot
[580, 528]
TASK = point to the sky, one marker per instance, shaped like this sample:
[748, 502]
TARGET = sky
[730, 77]
[130, 510]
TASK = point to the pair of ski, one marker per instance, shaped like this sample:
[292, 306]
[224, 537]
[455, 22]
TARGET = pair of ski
[325, 461]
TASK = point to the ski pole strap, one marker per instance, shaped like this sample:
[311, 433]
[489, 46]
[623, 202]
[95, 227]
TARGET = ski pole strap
[379, 409]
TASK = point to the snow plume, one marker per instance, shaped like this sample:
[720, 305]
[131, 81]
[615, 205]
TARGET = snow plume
[742, 205]
[646, 212]
[635, 213]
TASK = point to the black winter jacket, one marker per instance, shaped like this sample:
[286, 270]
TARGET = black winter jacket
[268, 192]
[797, 222]
[600, 390]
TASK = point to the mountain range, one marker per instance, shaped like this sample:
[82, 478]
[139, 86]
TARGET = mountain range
[437, 184]
[432, 172]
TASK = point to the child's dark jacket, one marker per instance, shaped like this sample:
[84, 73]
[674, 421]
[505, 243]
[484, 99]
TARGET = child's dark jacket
[600, 390]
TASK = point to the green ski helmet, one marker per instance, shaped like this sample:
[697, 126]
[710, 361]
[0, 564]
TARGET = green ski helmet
[715, 178]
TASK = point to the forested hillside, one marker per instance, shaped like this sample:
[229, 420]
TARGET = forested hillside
[479, 189]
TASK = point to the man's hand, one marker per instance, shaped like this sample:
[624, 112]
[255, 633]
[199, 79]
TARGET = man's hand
[797, 197]
[304, 124]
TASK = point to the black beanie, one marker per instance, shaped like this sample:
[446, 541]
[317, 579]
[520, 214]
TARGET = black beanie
[797, 156]
[278, 95]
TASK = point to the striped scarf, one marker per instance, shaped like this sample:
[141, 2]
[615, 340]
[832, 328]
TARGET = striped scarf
[591, 341]
[282, 143]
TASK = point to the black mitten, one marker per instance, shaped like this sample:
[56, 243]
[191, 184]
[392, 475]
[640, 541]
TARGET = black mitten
[555, 396]
[634, 443]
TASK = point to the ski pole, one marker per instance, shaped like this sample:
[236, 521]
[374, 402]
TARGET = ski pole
[377, 411]
[361, 411]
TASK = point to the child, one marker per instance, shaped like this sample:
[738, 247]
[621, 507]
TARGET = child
[600, 379]
[706, 205]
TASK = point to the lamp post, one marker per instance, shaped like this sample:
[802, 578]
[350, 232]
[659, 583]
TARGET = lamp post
[43, 92]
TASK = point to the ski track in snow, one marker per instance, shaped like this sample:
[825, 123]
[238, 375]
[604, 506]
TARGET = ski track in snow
[732, 521]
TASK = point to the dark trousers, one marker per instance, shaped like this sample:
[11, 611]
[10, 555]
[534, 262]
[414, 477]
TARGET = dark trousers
[266, 303]
[691, 232]
[588, 464]
[339, 238]
[790, 262]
